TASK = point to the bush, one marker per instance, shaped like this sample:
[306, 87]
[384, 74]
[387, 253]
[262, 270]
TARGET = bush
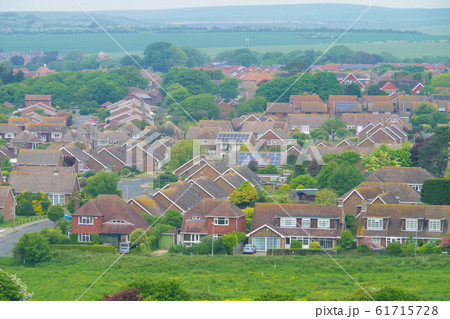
[364, 250]
[230, 240]
[394, 249]
[31, 248]
[125, 171]
[74, 238]
[297, 252]
[125, 295]
[181, 249]
[346, 240]
[12, 288]
[383, 294]
[63, 225]
[162, 290]
[53, 236]
[296, 244]
[275, 296]
[55, 213]
[86, 248]
[25, 208]
[314, 245]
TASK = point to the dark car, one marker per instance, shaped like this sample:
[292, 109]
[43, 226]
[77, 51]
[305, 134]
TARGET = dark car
[249, 249]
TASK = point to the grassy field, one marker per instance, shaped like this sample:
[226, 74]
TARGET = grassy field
[20, 220]
[67, 276]
[402, 45]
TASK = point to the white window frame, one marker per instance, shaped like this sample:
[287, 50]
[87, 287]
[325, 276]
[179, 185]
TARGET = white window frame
[437, 225]
[84, 238]
[226, 221]
[323, 223]
[85, 220]
[56, 135]
[306, 222]
[393, 240]
[376, 241]
[9, 135]
[288, 222]
[375, 223]
[414, 222]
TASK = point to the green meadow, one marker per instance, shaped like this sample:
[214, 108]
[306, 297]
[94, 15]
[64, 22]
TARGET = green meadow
[400, 44]
[68, 275]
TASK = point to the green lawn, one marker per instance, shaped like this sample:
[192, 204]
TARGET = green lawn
[67, 276]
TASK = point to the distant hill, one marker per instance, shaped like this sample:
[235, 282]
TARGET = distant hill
[301, 15]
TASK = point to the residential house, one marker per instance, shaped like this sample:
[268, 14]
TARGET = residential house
[145, 204]
[31, 99]
[347, 78]
[338, 104]
[305, 123]
[276, 225]
[389, 88]
[180, 196]
[413, 176]
[208, 188]
[232, 141]
[357, 122]
[275, 138]
[59, 183]
[47, 133]
[403, 104]
[8, 131]
[46, 110]
[130, 129]
[74, 154]
[378, 104]
[280, 110]
[385, 224]
[110, 217]
[214, 217]
[7, 203]
[40, 158]
[223, 125]
[25, 140]
[308, 104]
[110, 138]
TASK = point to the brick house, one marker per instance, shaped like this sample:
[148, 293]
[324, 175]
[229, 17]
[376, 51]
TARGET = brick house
[280, 110]
[276, 225]
[384, 224]
[214, 217]
[31, 99]
[40, 158]
[110, 217]
[7, 203]
[413, 176]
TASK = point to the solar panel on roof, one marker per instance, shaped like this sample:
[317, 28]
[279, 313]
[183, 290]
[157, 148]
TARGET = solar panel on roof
[345, 106]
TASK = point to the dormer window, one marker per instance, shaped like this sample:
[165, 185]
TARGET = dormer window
[375, 223]
[434, 225]
[195, 218]
[412, 224]
[287, 222]
[323, 223]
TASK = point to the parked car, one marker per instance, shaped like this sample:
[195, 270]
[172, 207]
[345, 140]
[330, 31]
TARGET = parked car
[249, 249]
[124, 248]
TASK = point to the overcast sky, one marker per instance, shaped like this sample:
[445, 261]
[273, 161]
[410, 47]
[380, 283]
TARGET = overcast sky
[97, 5]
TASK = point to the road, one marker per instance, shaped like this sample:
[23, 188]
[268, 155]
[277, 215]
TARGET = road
[80, 119]
[135, 187]
[7, 242]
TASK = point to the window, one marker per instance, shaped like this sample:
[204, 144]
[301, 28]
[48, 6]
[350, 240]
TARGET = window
[416, 187]
[85, 220]
[118, 221]
[269, 142]
[9, 135]
[115, 142]
[376, 241]
[393, 240]
[323, 223]
[57, 199]
[326, 243]
[264, 243]
[56, 135]
[374, 223]
[205, 141]
[306, 222]
[434, 225]
[84, 237]
[412, 224]
[273, 242]
[80, 165]
[221, 221]
[288, 222]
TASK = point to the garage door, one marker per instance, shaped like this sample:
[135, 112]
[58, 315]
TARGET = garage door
[264, 243]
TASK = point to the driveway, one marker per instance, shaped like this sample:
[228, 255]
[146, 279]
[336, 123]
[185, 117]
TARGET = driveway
[80, 119]
[7, 242]
[135, 187]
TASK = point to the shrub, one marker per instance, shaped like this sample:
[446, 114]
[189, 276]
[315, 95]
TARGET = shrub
[84, 248]
[53, 236]
[31, 248]
[230, 240]
[275, 296]
[63, 225]
[346, 240]
[394, 249]
[181, 249]
[125, 171]
[74, 238]
[25, 208]
[55, 213]
[314, 245]
[12, 288]
[125, 295]
[296, 244]
[383, 294]
[162, 290]
[138, 237]
[364, 250]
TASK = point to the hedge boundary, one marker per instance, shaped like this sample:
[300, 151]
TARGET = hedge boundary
[91, 248]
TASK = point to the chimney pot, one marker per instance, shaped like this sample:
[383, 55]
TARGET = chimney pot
[77, 203]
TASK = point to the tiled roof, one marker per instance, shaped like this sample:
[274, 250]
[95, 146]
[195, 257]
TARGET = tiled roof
[278, 107]
[210, 187]
[306, 119]
[409, 175]
[41, 181]
[39, 157]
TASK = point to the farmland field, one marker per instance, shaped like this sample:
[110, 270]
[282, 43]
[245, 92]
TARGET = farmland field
[400, 44]
[68, 275]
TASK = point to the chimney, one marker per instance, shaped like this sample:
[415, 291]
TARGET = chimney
[77, 203]
[144, 192]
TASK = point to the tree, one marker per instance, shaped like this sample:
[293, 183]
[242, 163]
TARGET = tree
[346, 240]
[352, 89]
[326, 197]
[101, 183]
[201, 106]
[17, 60]
[376, 161]
[253, 105]
[344, 178]
[163, 179]
[436, 191]
[383, 294]
[31, 248]
[138, 237]
[351, 223]
[194, 57]
[134, 60]
[375, 90]
[339, 53]
[405, 88]
[248, 216]
[25, 208]
[253, 165]
[195, 81]
[162, 56]
[173, 218]
[12, 288]
[244, 195]
[302, 181]
[180, 153]
[228, 89]
[432, 155]
[55, 213]
[331, 126]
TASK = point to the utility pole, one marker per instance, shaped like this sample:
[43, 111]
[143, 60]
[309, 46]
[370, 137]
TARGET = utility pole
[212, 239]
